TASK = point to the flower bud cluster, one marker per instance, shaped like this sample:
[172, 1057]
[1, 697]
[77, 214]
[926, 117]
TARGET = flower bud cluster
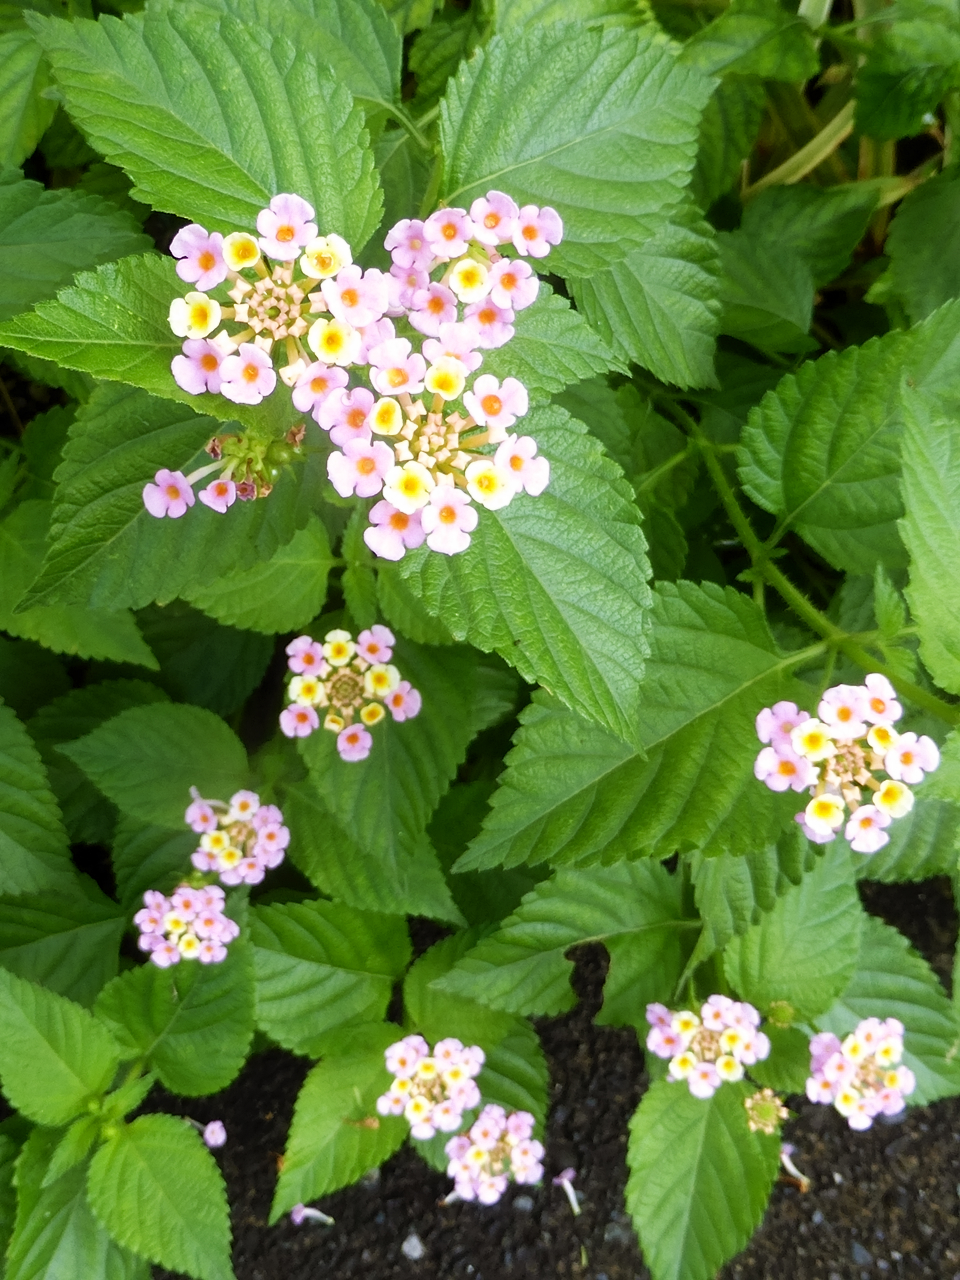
[189, 925]
[240, 841]
[351, 679]
[861, 1076]
[247, 467]
[497, 1147]
[837, 755]
[432, 1090]
[765, 1111]
[421, 438]
[711, 1049]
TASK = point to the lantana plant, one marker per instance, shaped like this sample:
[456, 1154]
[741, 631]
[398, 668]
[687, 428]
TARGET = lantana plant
[493, 467]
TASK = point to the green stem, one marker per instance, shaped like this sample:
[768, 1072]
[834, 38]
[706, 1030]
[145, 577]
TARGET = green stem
[809, 157]
[412, 127]
[816, 12]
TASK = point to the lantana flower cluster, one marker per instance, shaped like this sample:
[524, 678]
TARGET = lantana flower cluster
[431, 1089]
[240, 841]
[352, 679]
[418, 426]
[861, 1076]
[837, 755]
[707, 1050]
[189, 925]
[497, 1148]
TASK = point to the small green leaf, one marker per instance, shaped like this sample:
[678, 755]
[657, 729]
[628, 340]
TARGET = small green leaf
[157, 1190]
[699, 1179]
[924, 246]
[33, 844]
[73, 1147]
[766, 292]
[146, 760]
[755, 37]
[148, 857]
[821, 225]
[54, 1056]
[24, 111]
[728, 130]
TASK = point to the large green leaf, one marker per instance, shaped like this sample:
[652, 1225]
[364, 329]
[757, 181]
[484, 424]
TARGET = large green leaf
[112, 323]
[24, 111]
[924, 246]
[255, 115]
[572, 792]
[930, 529]
[146, 759]
[922, 845]
[802, 953]
[822, 225]
[517, 15]
[68, 943]
[46, 236]
[192, 1024]
[321, 965]
[822, 450]
[54, 1056]
[157, 1190]
[56, 1235]
[699, 1179]
[611, 157]
[574, 615]
[280, 594]
[728, 131]
[660, 305]
[33, 844]
[755, 37]
[336, 1134]
[65, 628]
[892, 981]
[106, 549]
[148, 857]
[633, 908]
[766, 291]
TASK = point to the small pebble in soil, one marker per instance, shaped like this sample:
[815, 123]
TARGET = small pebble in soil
[413, 1247]
[523, 1204]
[817, 1218]
[861, 1256]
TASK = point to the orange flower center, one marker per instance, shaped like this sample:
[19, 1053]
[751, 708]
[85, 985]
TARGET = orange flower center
[844, 714]
[285, 234]
[906, 757]
[349, 297]
[449, 231]
[516, 461]
[173, 491]
[448, 515]
[399, 521]
[209, 362]
[787, 768]
[251, 372]
[530, 232]
[302, 717]
[878, 706]
[487, 315]
[508, 281]
[491, 220]
[397, 377]
[356, 418]
[435, 305]
[319, 385]
[491, 404]
[365, 466]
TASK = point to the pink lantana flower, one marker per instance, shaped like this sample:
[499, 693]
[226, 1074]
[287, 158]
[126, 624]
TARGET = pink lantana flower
[219, 495]
[286, 227]
[403, 284]
[375, 644]
[200, 817]
[371, 335]
[201, 256]
[513, 284]
[305, 657]
[169, 495]
[396, 368]
[455, 342]
[448, 233]
[247, 376]
[354, 743]
[882, 705]
[517, 456]
[494, 405]
[775, 724]
[782, 769]
[198, 368]
[391, 532]
[165, 955]
[844, 709]
[536, 230]
[448, 520]
[865, 830]
[407, 245]
[405, 702]
[494, 217]
[356, 297]
[315, 384]
[360, 468]
[298, 721]
[344, 414]
[493, 325]
[911, 758]
[433, 306]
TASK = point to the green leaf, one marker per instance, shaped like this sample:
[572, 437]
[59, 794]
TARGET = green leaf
[922, 845]
[147, 857]
[46, 236]
[24, 111]
[54, 1056]
[146, 760]
[755, 37]
[728, 131]
[930, 529]
[517, 15]
[803, 952]
[105, 548]
[280, 594]
[10, 1140]
[552, 347]
[88, 817]
[574, 618]
[699, 1179]
[924, 246]
[892, 981]
[320, 965]
[68, 943]
[945, 783]
[191, 1024]
[437, 53]
[405, 611]
[574, 793]
[385, 801]
[821, 225]
[336, 1134]
[358, 582]
[56, 1235]
[787, 1069]
[633, 908]
[33, 844]
[66, 628]
[29, 676]
[767, 293]
[157, 1190]
[611, 158]
[660, 305]
[257, 115]
[73, 1147]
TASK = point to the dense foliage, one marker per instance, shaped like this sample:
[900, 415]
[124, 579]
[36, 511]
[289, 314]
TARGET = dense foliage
[545, 661]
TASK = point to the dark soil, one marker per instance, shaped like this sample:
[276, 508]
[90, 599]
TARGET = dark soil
[883, 1203]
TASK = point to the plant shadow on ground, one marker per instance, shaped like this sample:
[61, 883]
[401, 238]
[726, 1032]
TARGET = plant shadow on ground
[882, 1203]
